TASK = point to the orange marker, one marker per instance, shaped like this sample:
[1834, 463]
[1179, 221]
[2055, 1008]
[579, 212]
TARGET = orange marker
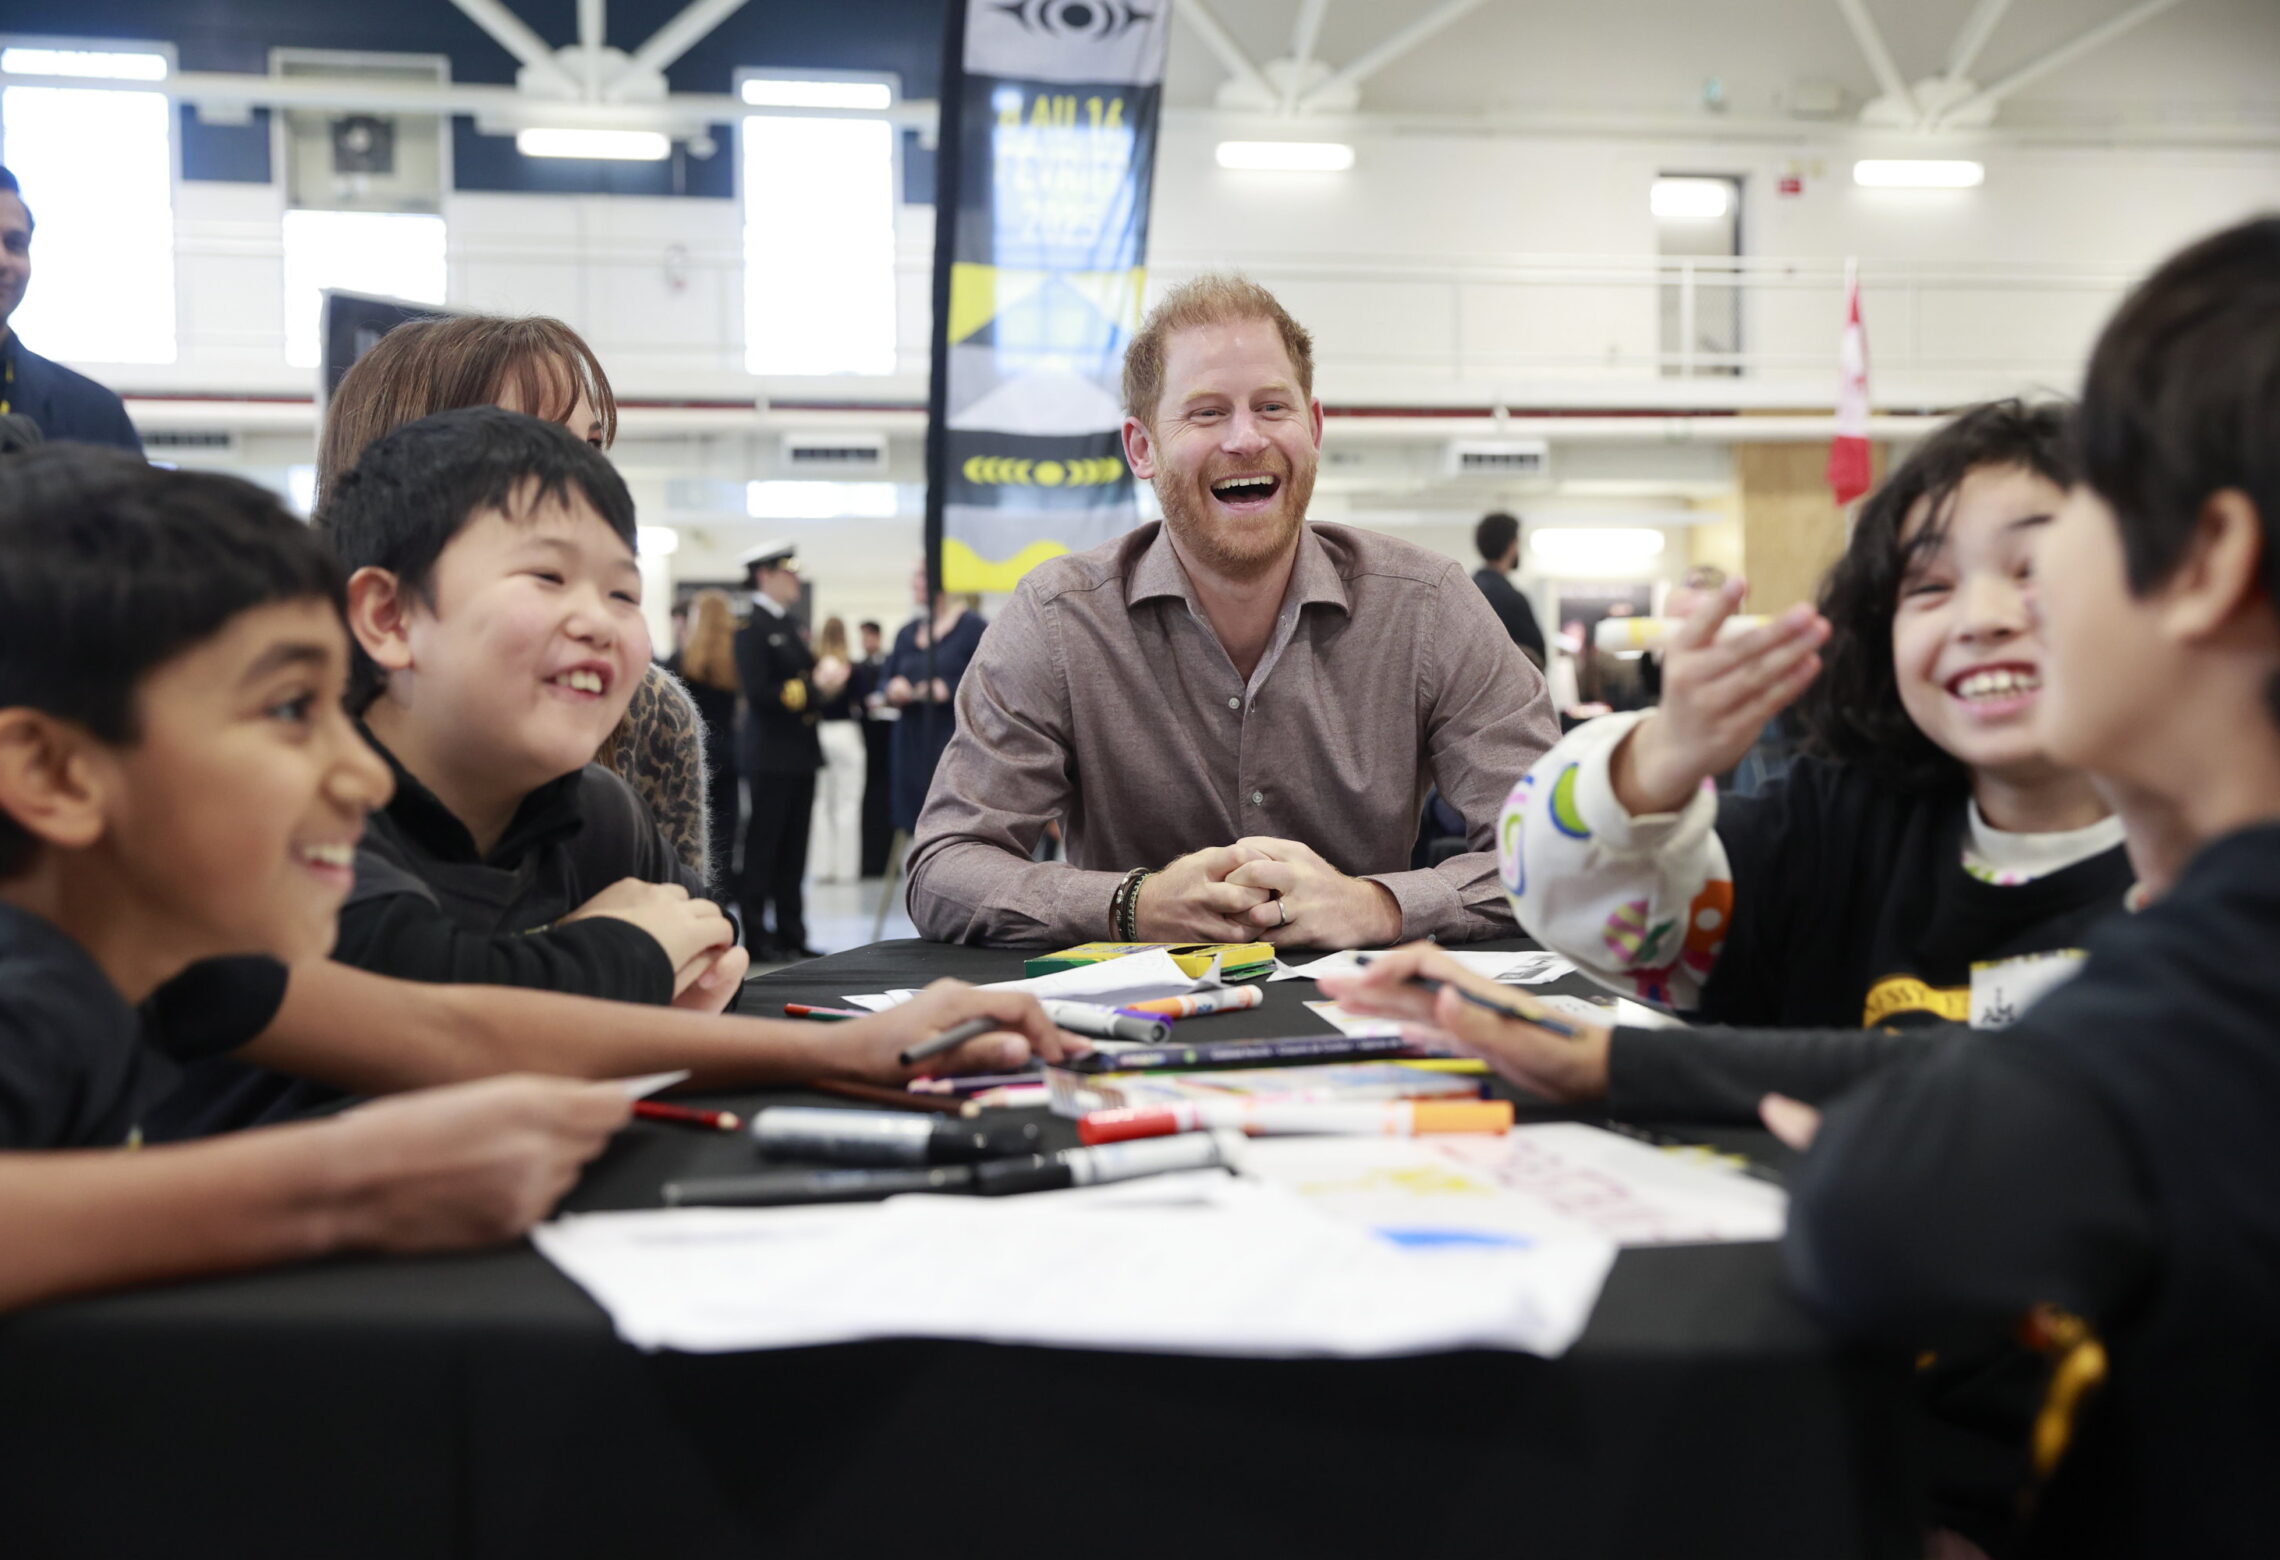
[1223, 999]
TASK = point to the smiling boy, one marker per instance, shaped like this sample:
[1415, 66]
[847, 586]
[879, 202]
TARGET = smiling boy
[496, 612]
[2114, 1156]
[178, 783]
[496, 606]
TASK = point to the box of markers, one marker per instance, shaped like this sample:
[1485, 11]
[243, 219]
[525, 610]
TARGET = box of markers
[1075, 1092]
[1237, 961]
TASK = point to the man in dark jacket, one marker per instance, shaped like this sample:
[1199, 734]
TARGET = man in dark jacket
[64, 404]
[1498, 538]
[780, 753]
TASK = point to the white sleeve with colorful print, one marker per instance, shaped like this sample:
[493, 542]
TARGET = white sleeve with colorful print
[1639, 904]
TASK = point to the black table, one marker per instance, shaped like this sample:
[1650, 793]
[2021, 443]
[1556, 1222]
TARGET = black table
[481, 1406]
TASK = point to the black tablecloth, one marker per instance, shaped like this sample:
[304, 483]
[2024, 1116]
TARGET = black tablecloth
[481, 1406]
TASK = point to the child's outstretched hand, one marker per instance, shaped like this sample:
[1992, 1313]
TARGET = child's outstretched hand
[1717, 697]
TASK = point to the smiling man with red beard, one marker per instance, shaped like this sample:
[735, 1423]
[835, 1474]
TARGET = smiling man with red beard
[1234, 714]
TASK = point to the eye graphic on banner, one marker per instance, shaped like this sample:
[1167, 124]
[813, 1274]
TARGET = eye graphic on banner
[1040, 262]
[1076, 18]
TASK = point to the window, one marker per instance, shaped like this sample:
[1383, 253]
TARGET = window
[819, 241]
[97, 169]
[393, 254]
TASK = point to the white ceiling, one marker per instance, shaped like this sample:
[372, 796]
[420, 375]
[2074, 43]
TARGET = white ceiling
[2204, 59]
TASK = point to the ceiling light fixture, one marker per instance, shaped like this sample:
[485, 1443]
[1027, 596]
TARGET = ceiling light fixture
[1919, 173]
[785, 92]
[1690, 200]
[615, 145]
[103, 64]
[1286, 156]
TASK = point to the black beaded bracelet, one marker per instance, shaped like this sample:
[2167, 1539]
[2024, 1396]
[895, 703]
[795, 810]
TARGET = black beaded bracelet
[1124, 906]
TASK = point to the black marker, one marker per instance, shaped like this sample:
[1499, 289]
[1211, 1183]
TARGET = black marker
[778, 1188]
[885, 1137]
[1111, 1162]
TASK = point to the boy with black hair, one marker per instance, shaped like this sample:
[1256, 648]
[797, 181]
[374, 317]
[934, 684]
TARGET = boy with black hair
[2114, 1156]
[178, 782]
[496, 607]
[496, 592]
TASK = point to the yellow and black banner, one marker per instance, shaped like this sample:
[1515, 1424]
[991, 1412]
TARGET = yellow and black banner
[1048, 153]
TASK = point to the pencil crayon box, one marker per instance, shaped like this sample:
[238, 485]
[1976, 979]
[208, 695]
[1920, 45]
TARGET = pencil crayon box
[1237, 961]
[1074, 1093]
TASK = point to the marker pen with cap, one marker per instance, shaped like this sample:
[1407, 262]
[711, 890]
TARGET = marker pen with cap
[1028, 1173]
[1266, 1118]
[781, 1188]
[885, 1137]
[1220, 999]
[1110, 1162]
[1103, 1023]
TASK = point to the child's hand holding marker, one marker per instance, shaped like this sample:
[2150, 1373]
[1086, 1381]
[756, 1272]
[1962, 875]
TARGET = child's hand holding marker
[1464, 1012]
[1717, 696]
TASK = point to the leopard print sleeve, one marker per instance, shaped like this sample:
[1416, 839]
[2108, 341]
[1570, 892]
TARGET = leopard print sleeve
[659, 749]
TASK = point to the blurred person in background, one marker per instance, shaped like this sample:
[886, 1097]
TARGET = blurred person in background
[784, 693]
[836, 834]
[706, 665]
[64, 404]
[1497, 538]
[869, 683]
[927, 707]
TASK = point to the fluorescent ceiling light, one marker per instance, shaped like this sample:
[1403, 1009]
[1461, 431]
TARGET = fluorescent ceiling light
[619, 145]
[821, 500]
[782, 93]
[656, 541]
[1287, 156]
[108, 65]
[1690, 200]
[1904, 173]
[1595, 546]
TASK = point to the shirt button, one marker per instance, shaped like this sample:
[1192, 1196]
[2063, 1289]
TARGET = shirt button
[1258, 798]
[1234, 704]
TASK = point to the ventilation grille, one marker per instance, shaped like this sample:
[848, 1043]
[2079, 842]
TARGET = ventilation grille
[190, 439]
[835, 452]
[1499, 458]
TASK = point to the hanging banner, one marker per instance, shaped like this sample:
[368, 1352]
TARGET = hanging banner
[1048, 153]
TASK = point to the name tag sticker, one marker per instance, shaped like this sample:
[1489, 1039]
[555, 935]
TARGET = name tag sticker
[2003, 989]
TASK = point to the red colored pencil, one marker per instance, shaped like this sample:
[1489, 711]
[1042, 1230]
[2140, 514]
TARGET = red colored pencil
[683, 1116]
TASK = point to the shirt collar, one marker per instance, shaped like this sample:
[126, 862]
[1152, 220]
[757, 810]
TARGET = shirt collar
[546, 814]
[768, 604]
[1314, 577]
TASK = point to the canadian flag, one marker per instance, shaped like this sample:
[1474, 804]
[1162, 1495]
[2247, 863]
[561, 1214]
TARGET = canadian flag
[1848, 451]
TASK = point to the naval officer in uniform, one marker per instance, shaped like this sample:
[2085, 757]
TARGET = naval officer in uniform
[780, 752]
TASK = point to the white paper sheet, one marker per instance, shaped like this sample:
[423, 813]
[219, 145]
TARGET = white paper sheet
[1536, 1181]
[1136, 977]
[1526, 967]
[1358, 1025]
[1233, 1268]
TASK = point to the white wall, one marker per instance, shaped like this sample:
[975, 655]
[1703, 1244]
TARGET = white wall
[1445, 269]
[1442, 268]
